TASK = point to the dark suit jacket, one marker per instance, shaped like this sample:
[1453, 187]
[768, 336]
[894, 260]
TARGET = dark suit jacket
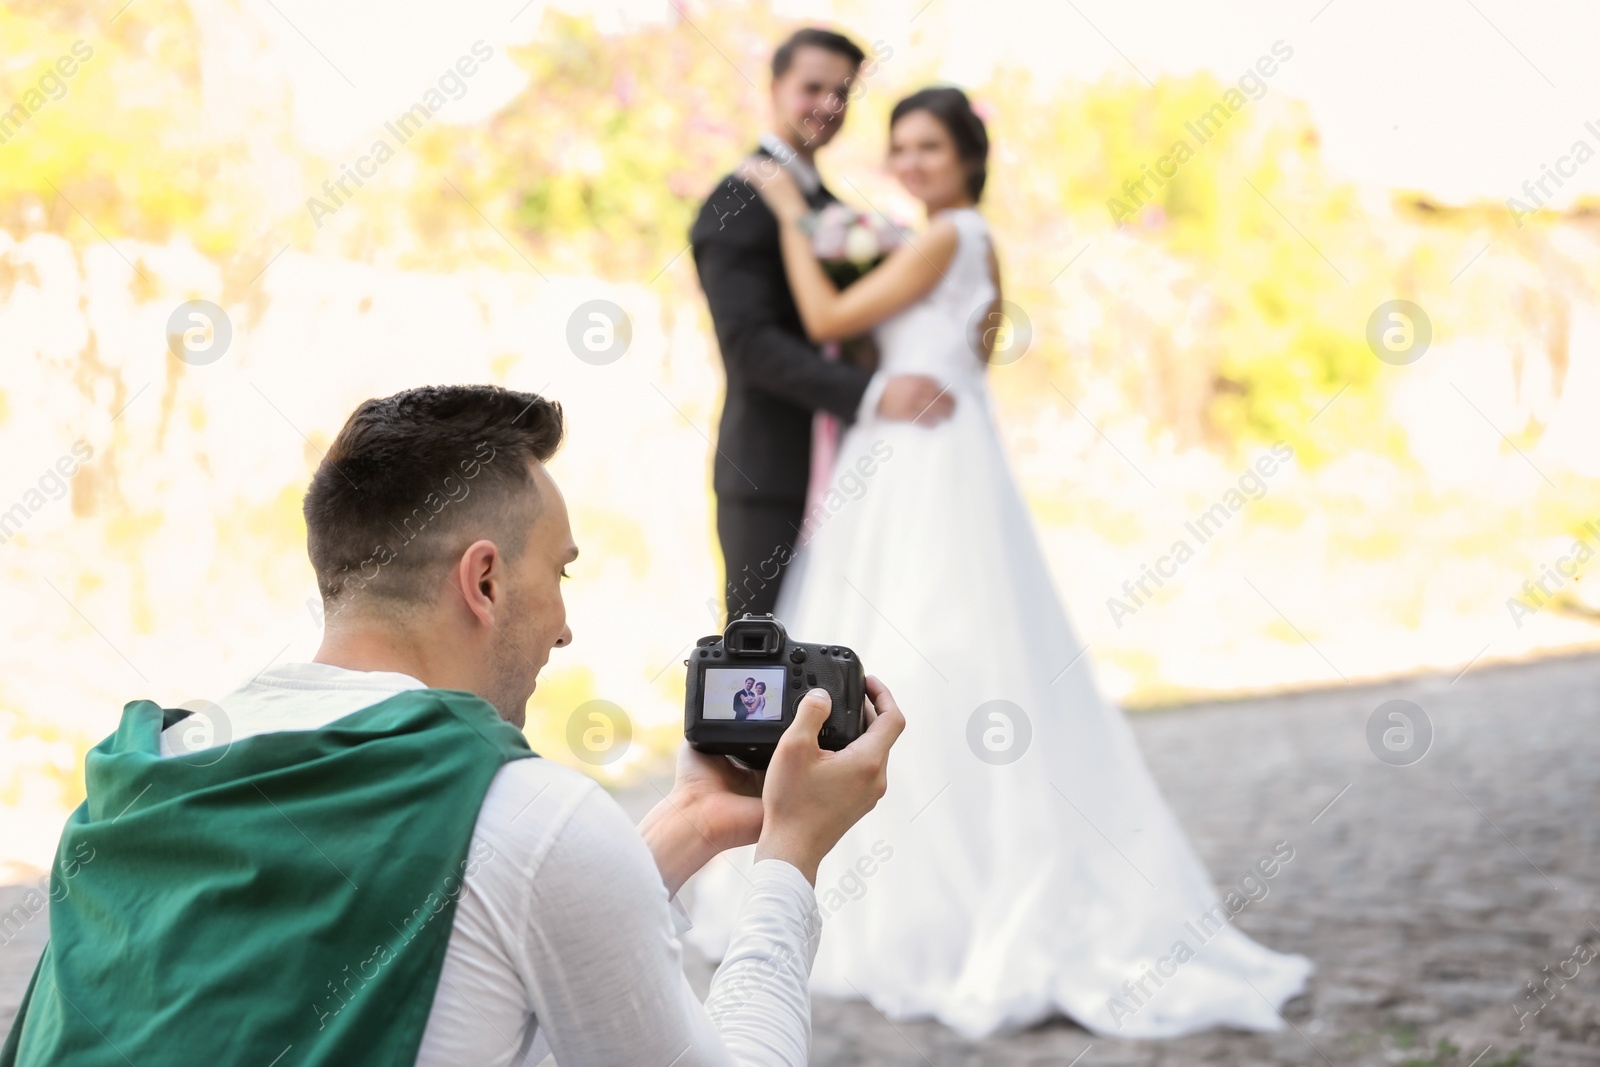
[739, 710]
[776, 376]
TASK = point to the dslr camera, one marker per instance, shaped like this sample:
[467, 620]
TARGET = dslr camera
[745, 683]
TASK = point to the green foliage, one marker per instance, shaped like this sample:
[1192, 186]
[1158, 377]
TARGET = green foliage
[599, 165]
[126, 148]
[602, 161]
[1287, 293]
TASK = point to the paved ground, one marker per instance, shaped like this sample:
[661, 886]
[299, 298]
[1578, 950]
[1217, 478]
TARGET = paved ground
[1428, 895]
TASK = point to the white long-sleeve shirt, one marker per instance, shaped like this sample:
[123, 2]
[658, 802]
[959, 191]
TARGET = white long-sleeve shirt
[564, 941]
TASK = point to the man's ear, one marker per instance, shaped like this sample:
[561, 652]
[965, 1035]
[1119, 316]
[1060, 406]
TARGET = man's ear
[480, 578]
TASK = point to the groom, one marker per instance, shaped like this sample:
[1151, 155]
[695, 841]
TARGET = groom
[776, 376]
[740, 708]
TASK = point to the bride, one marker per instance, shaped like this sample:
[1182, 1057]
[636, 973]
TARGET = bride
[1024, 862]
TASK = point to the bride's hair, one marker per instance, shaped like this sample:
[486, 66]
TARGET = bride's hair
[952, 108]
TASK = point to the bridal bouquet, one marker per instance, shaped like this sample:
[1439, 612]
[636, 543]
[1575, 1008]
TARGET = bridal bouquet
[848, 243]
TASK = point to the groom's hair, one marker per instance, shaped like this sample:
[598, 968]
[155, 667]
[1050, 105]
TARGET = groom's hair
[413, 478]
[812, 37]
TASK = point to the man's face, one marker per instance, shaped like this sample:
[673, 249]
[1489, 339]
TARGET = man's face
[535, 620]
[809, 100]
[748, 682]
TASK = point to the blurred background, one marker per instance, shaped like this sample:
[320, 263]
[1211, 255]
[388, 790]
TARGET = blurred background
[1379, 259]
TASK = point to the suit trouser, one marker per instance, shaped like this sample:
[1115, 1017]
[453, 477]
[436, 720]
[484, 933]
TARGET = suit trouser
[758, 539]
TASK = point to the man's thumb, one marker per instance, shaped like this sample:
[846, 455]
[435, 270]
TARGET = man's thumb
[812, 712]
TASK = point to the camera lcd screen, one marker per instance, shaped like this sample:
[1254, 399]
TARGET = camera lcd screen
[743, 694]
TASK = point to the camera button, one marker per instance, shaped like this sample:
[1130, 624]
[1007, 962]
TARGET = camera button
[798, 655]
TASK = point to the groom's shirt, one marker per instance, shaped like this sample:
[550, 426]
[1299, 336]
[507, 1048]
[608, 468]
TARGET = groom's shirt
[564, 940]
[804, 174]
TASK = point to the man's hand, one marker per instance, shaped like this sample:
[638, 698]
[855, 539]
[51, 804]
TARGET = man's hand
[916, 398]
[722, 798]
[812, 796]
[714, 805]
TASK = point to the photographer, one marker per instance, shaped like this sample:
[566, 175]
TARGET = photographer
[359, 860]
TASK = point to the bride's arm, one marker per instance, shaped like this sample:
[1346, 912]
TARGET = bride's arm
[908, 274]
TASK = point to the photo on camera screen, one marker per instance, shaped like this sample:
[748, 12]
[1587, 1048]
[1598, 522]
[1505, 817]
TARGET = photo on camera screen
[743, 694]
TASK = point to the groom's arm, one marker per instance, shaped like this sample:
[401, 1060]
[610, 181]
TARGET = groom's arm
[735, 259]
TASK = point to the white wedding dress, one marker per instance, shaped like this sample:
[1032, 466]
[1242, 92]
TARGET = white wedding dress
[1020, 866]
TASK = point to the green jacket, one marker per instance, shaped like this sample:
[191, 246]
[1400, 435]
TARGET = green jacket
[286, 899]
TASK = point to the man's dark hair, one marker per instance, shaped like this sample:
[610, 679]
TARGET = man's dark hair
[419, 475]
[812, 37]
